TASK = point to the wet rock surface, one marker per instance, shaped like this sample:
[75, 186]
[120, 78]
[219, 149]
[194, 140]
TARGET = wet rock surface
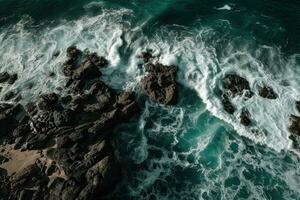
[159, 83]
[234, 85]
[266, 92]
[73, 131]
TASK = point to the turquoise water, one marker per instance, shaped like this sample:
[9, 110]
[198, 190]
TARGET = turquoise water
[193, 150]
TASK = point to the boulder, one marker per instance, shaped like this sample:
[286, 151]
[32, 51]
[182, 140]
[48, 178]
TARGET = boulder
[87, 70]
[295, 125]
[146, 56]
[245, 118]
[160, 83]
[266, 92]
[4, 76]
[236, 85]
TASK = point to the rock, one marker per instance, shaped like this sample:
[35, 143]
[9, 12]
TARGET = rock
[86, 71]
[266, 92]
[12, 79]
[3, 160]
[73, 53]
[295, 125]
[97, 60]
[4, 76]
[298, 105]
[227, 105]
[245, 118]
[236, 85]
[48, 102]
[160, 83]
[146, 56]
[9, 95]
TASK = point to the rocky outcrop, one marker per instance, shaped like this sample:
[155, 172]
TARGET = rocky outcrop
[159, 84]
[266, 92]
[8, 78]
[245, 118]
[74, 132]
[234, 85]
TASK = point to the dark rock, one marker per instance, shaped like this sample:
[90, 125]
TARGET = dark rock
[266, 92]
[245, 118]
[56, 54]
[236, 85]
[48, 102]
[97, 60]
[146, 56]
[64, 142]
[298, 105]
[3, 160]
[160, 83]
[295, 125]
[51, 169]
[87, 70]
[9, 95]
[73, 52]
[4, 76]
[227, 105]
[12, 79]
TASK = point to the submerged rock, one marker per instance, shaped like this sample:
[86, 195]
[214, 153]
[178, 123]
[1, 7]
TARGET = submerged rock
[160, 83]
[245, 118]
[266, 92]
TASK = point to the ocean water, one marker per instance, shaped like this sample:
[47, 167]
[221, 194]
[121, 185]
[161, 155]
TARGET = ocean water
[193, 150]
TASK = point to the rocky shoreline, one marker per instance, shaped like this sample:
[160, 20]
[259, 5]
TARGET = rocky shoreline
[67, 138]
[60, 147]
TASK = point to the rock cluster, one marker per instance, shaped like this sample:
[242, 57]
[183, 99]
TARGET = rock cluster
[8, 78]
[73, 131]
[235, 85]
[159, 83]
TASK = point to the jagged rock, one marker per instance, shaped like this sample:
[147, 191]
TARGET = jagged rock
[146, 56]
[48, 102]
[245, 118]
[160, 83]
[227, 105]
[12, 79]
[78, 125]
[9, 95]
[236, 85]
[298, 105]
[87, 70]
[73, 52]
[98, 61]
[4, 76]
[295, 125]
[266, 92]
[9, 78]
[10, 117]
[3, 160]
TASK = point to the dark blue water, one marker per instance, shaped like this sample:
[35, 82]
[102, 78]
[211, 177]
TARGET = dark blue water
[193, 150]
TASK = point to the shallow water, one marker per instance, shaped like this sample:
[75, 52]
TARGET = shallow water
[193, 150]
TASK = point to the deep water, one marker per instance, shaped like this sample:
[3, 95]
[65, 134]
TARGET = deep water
[193, 150]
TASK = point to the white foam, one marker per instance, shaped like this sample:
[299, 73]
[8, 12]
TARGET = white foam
[225, 7]
[202, 71]
[28, 49]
